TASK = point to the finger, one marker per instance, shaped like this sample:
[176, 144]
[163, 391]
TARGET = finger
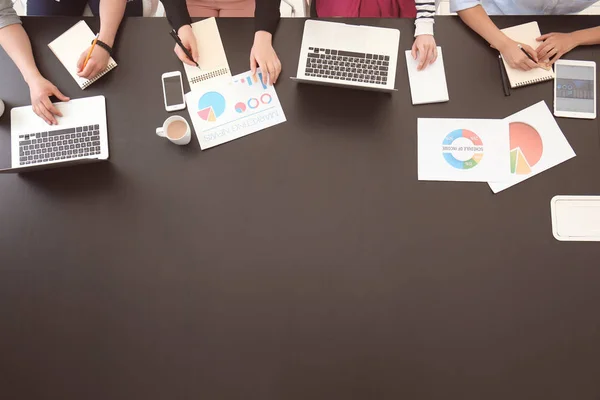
[50, 107]
[529, 64]
[252, 64]
[47, 104]
[86, 73]
[531, 52]
[413, 51]
[422, 58]
[271, 69]
[48, 117]
[194, 50]
[57, 93]
[543, 50]
[435, 54]
[265, 72]
[181, 55]
[82, 58]
[544, 37]
[277, 66]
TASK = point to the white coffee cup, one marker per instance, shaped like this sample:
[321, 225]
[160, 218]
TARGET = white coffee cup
[175, 132]
[1, 108]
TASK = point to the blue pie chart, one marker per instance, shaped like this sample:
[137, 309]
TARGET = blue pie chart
[214, 100]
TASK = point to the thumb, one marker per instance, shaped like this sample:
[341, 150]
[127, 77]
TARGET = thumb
[194, 51]
[59, 95]
[543, 37]
[80, 61]
[413, 51]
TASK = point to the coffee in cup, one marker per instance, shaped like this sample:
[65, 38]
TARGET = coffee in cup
[176, 129]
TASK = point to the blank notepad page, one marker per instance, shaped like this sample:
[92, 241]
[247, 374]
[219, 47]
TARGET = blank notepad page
[68, 48]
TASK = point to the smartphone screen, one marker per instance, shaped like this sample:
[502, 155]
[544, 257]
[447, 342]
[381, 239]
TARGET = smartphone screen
[574, 88]
[173, 93]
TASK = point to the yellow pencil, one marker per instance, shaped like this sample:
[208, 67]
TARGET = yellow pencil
[90, 53]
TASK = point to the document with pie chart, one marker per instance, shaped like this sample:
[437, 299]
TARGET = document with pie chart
[536, 144]
[227, 111]
[465, 150]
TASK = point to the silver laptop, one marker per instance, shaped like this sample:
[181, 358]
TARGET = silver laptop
[337, 54]
[80, 136]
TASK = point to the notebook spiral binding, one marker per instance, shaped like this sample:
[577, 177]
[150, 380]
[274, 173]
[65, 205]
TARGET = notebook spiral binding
[209, 75]
[532, 81]
[108, 68]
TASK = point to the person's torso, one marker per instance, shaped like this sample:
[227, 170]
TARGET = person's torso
[535, 7]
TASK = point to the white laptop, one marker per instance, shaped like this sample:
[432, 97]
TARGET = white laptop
[80, 136]
[338, 54]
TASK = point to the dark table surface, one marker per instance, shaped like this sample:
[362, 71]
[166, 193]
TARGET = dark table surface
[302, 262]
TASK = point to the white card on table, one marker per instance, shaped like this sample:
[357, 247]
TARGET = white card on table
[466, 150]
[428, 85]
[536, 144]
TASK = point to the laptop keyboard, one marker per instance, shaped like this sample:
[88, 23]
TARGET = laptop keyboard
[347, 66]
[62, 144]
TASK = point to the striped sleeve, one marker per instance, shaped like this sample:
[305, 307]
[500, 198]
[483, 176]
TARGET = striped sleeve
[425, 15]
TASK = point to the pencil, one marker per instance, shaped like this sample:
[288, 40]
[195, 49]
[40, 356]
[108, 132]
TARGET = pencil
[503, 75]
[90, 53]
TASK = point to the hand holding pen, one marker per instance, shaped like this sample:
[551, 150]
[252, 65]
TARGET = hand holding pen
[185, 45]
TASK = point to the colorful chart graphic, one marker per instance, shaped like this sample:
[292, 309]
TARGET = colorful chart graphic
[266, 98]
[462, 149]
[253, 103]
[240, 107]
[526, 148]
[254, 80]
[211, 106]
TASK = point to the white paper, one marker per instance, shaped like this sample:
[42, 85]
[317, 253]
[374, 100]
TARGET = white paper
[537, 144]
[229, 111]
[467, 150]
[214, 67]
[428, 85]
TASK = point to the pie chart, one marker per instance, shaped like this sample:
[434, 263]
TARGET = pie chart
[211, 106]
[240, 107]
[526, 148]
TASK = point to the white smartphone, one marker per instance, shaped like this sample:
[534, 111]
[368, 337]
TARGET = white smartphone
[173, 91]
[575, 89]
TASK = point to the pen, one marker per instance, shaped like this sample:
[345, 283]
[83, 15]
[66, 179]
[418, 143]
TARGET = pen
[526, 53]
[503, 75]
[185, 51]
[90, 53]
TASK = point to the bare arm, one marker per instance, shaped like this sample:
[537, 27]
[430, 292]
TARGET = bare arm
[111, 14]
[16, 43]
[478, 20]
[587, 36]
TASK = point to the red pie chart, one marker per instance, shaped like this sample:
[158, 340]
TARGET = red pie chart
[526, 147]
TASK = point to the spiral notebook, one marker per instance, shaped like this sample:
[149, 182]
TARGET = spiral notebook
[212, 59]
[526, 34]
[68, 48]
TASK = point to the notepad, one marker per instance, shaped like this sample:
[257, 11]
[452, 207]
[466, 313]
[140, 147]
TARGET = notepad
[428, 85]
[212, 59]
[68, 48]
[526, 34]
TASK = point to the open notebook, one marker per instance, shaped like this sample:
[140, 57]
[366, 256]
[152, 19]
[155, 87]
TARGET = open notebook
[526, 34]
[212, 59]
[68, 48]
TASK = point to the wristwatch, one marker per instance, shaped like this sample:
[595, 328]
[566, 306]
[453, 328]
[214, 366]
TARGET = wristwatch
[104, 46]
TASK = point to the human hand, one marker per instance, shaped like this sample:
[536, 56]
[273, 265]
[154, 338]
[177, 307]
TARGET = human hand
[188, 40]
[40, 90]
[554, 46]
[96, 64]
[516, 58]
[426, 48]
[263, 55]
